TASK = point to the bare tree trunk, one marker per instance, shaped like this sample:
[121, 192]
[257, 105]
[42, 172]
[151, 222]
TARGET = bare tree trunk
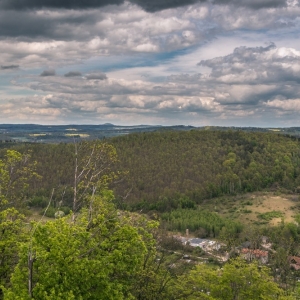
[31, 259]
[75, 181]
[31, 255]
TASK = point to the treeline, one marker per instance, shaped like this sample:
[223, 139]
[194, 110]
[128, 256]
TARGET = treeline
[202, 222]
[163, 167]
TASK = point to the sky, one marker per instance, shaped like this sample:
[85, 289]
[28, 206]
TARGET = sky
[156, 62]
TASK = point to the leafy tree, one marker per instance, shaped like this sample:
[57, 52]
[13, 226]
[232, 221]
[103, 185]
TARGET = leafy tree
[152, 280]
[16, 170]
[92, 169]
[94, 257]
[236, 280]
[11, 234]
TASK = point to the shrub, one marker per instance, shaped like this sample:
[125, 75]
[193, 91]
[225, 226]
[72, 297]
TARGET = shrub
[50, 212]
[65, 209]
[38, 201]
[268, 216]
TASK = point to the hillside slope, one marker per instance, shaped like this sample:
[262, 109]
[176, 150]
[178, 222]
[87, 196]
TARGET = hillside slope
[168, 169]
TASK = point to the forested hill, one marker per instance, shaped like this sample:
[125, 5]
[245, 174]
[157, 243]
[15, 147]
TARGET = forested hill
[200, 164]
[175, 168]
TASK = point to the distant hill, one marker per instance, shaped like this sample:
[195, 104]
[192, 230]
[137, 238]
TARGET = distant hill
[165, 167]
[34, 133]
[181, 168]
[67, 133]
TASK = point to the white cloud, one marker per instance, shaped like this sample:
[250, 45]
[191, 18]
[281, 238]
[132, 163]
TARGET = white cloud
[124, 61]
[285, 105]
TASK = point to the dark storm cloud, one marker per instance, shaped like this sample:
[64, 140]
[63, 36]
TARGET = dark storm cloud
[31, 24]
[46, 73]
[148, 5]
[254, 4]
[60, 4]
[73, 74]
[9, 67]
[157, 5]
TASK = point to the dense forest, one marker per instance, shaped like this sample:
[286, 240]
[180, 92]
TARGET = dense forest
[159, 168]
[109, 209]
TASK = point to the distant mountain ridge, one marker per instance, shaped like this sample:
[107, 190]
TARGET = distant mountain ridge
[67, 133]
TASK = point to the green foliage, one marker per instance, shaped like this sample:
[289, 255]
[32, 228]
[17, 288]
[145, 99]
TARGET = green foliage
[205, 164]
[38, 201]
[49, 212]
[92, 169]
[236, 280]
[94, 258]
[16, 171]
[102, 253]
[268, 216]
[164, 166]
[11, 234]
[212, 223]
[246, 211]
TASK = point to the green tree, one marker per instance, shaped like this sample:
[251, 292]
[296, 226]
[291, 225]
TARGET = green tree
[92, 170]
[11, 234]
[16, 170]
[95, 257]
[236, 280]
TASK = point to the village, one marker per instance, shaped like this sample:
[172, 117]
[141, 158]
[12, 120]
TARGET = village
[215, 250]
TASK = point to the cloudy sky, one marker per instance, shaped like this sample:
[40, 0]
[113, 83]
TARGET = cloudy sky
[192, 62]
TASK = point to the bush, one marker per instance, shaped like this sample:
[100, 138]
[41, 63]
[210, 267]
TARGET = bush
[65, 209]
[214, 261]
[50, 212]
[268, 216]
[38, 201]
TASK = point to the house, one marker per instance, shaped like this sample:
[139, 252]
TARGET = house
[250, 254]
[295, 262]
[206, 245]
[196, 242]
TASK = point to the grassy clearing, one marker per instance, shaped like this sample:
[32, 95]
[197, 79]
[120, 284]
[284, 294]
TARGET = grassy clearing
[82, 135]
[37, 134]
[259, 208]
[35, 215]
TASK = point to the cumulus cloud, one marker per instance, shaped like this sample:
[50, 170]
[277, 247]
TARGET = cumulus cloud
[249, 75]
[137, 50]
[285, 105]
[65, 36]
[220, 95]
[256, 65]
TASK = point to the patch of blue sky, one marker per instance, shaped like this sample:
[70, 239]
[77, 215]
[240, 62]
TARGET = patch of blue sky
[113, 63]
[4, 81]
[6, 86]
[281, 37]
[11, 85]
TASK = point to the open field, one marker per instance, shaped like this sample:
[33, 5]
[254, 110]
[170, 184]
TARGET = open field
[258, 208]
